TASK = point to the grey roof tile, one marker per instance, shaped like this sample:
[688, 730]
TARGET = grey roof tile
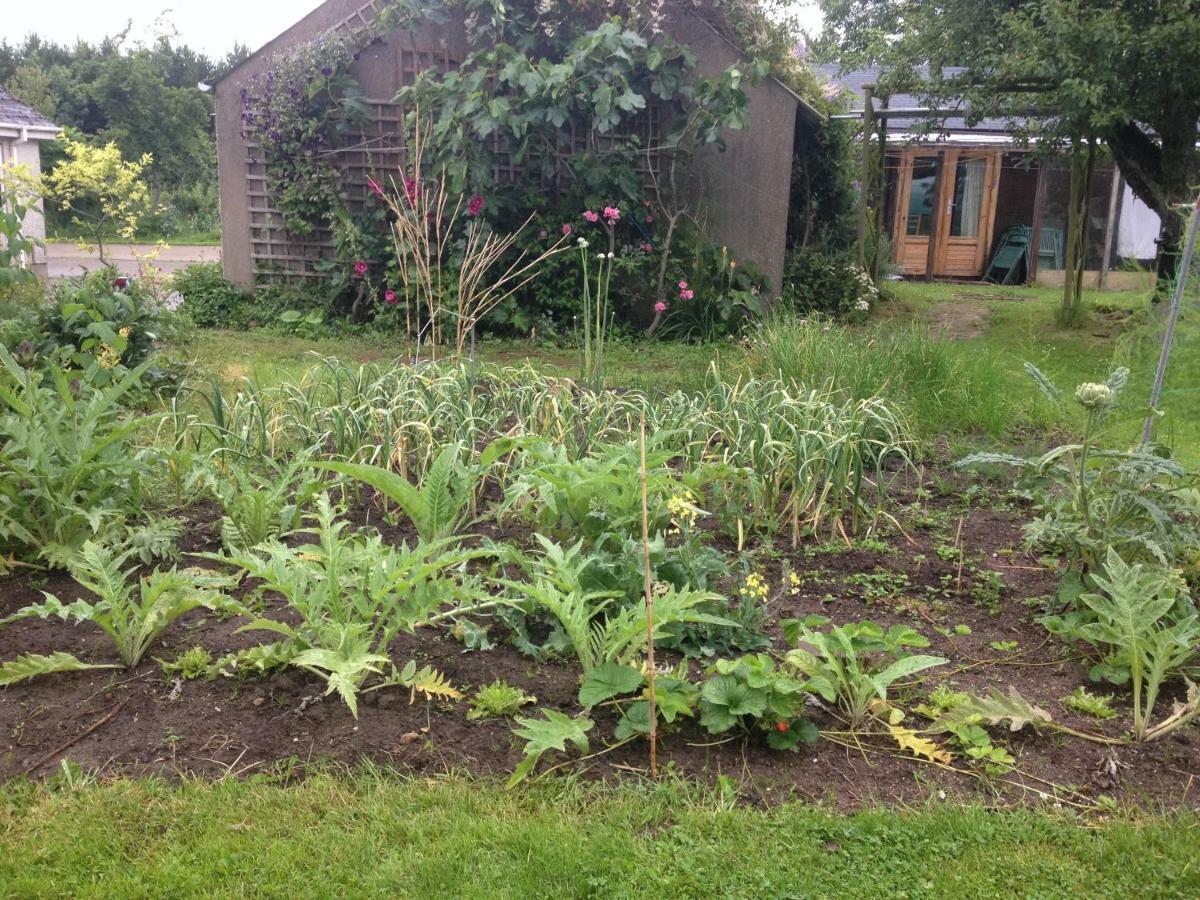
[14, 112]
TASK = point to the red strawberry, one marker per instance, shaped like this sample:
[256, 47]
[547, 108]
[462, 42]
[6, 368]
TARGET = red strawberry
[782, 726]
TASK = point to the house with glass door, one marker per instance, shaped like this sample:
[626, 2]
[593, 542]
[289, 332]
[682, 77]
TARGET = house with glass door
[956, 196]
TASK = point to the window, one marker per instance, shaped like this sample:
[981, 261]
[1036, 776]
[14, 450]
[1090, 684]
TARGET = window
[920, 196]
[969, 176]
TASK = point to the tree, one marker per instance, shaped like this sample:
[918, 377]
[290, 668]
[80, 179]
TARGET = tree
[103, 192]
[1123, 72]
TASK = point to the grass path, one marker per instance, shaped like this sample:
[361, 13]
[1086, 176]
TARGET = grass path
[375, 835]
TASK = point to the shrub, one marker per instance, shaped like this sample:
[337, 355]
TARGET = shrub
[821, 282]
[111, 320]
[210, 300]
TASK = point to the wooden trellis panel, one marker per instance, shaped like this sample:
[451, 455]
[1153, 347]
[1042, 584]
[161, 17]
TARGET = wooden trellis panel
[378, 151]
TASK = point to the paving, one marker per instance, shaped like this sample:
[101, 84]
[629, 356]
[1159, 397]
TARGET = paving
[65, 260]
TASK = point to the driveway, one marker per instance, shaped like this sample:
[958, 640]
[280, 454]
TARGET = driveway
[63, 260]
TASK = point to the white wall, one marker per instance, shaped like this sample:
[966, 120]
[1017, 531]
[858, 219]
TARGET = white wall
[1137, 229]
[14, 151]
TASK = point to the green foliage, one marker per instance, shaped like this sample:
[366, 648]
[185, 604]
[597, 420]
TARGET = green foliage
[977, 745]
[596, 498]
[597, 630]
[552, 732]
[1147, 631]
[69, 471]
[351, 596]
[750, 693]
[297, 111]
[191, 664]
[536, 68]
[1091, 501]
[498, 700]
[855, 664]
[440, 506]
[673, 697]
[107, 318]
[608, 680]
[155, 538]
[933, 386]
[31, 665]
[259, 504]
[16, 249]
[723, 295]
[132, 620]
[995, 708]
[101, 190]
[208, 299]
[1084, 701]
[820, 282]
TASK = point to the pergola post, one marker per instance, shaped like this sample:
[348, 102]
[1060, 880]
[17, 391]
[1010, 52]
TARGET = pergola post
[864, 184]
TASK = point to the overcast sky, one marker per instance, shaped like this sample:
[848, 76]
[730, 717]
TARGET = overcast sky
[212, 26]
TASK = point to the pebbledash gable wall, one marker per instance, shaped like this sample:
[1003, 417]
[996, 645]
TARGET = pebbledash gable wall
[742, 192]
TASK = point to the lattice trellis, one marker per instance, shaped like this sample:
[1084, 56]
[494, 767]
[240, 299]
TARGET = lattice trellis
[378, 151]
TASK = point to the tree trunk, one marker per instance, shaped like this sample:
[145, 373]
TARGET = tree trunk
[1083, 160]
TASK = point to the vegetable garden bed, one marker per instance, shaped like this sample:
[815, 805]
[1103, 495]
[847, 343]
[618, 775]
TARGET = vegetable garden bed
[974, 614]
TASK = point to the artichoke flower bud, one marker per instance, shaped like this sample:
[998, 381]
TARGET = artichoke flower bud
[1093, 396]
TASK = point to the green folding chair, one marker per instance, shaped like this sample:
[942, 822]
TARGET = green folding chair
[1011, 253]
[1050, 249]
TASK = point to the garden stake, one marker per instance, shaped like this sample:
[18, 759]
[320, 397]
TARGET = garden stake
[649, 607]
[1189, 248]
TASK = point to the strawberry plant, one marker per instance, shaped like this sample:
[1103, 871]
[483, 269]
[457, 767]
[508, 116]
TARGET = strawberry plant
[749, 693]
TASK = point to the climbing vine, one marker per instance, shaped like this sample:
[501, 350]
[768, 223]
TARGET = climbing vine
[297, 110]
[539, 66]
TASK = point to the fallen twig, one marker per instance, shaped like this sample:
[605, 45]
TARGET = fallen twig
[107, 717]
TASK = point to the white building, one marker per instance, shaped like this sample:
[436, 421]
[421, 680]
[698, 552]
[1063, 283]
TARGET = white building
[21, 132]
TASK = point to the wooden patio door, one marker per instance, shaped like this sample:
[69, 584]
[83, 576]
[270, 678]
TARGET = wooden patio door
[948, 197]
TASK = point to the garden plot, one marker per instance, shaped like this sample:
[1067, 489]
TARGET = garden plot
[439, 570]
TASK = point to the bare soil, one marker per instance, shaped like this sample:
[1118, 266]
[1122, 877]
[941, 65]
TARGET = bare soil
[141, 722]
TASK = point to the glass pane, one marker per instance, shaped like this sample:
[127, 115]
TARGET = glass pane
[920, 198]
[968, 197]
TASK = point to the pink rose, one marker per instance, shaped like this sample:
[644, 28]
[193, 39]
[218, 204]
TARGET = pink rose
[649, 220]
[687, 295]
[647, 247]
[660, 307]
[360, 268]
[591, 216]
[475, 205]
[611, 214]
[566, 229]
[683, 285]
[389, 297]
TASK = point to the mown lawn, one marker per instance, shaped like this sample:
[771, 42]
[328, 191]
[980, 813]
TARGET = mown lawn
[369, 834]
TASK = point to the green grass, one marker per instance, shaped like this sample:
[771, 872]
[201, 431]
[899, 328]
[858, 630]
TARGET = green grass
[376, 835]
[973, 392]
[939, 386]
[1119, 328]
[271, 357]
